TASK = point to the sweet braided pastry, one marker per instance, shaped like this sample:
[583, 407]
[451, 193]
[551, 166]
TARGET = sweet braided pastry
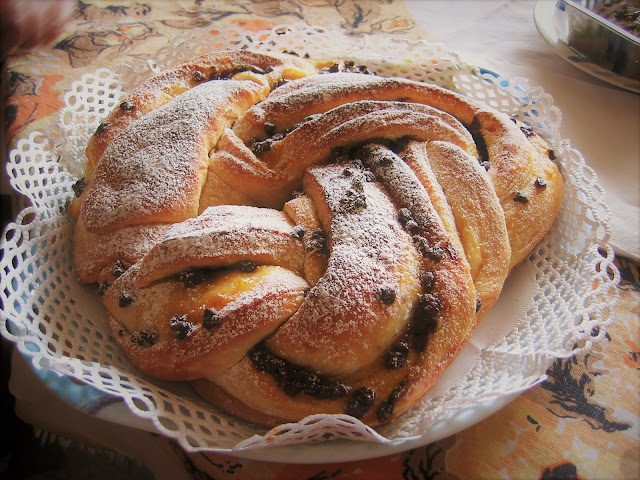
[297, 238]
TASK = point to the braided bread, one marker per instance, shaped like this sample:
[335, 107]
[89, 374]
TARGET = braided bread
[293, 242]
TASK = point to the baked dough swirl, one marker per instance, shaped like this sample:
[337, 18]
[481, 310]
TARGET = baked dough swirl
[295, 239]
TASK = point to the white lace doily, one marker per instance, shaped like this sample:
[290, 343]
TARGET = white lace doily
[558, 303]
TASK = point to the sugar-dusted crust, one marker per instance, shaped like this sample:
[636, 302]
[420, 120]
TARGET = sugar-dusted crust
[296, 243]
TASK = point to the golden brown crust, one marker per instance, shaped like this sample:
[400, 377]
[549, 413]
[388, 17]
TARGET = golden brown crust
[325, 244]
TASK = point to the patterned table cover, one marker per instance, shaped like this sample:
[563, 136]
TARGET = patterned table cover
[582, 423]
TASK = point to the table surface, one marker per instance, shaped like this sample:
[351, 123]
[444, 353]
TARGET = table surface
[583, 422]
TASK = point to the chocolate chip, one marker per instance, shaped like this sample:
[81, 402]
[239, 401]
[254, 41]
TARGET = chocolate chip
[404, 215]
[552, 154]
[79, 187]
[481, 145]
[102, 289]
[385, 161]
[330, 391]
[353, 200]
[298, 379]
[198, 76]
[397, 355]
[298, 232]
[360, 402]
[520, 197]
[247, 266]
[387, 295]
[119, 268]
[127, 106]
[269, 128]
[527, 130]
[540, 182]
[124, 299]
[259, 147]
[144, 338]
[294, 379]
[385, 410]
[427, 280]
[387, 406]
[103, 127]
[412, 226]
[181, 326]
[436, 253]
[425, 320]
[431, 305]
[192, 277]
[316, 241]
[478, 304]
[211, 318]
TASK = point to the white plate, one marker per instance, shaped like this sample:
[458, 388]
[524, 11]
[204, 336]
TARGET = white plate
[545, 15]
[549, 304]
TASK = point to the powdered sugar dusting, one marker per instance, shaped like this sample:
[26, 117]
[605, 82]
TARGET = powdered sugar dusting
[223, 235]
[342, 324]
[166, 154]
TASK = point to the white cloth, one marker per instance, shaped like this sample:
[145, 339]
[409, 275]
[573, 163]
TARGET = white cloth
[600, 120]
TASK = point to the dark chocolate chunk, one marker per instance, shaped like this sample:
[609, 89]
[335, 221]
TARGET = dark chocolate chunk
[387, 295]
[387, 406]
[102, 289]
[435, 253]
[478, 304]
[193, 277]
[298, 232]
[198, 76]
[520, 197]
[385, 410]
[124, 299]
[353, 200]
[181, 326]
[259, 147]
[540, 182]
[211, 318]
[103, 127]
[360, 402]
[397, 355]
[527, 130]
[404, 216]
[481, 145]
[425, 320]
[79, 187]
[269, 128]
[127, 106]
[428, 281]
[316, 241]
[119, 268]
[247, 266]
[144, 338]
[295, 379]
[330, 391]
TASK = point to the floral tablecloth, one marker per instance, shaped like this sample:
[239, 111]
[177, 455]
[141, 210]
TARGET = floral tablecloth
[583, 422]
